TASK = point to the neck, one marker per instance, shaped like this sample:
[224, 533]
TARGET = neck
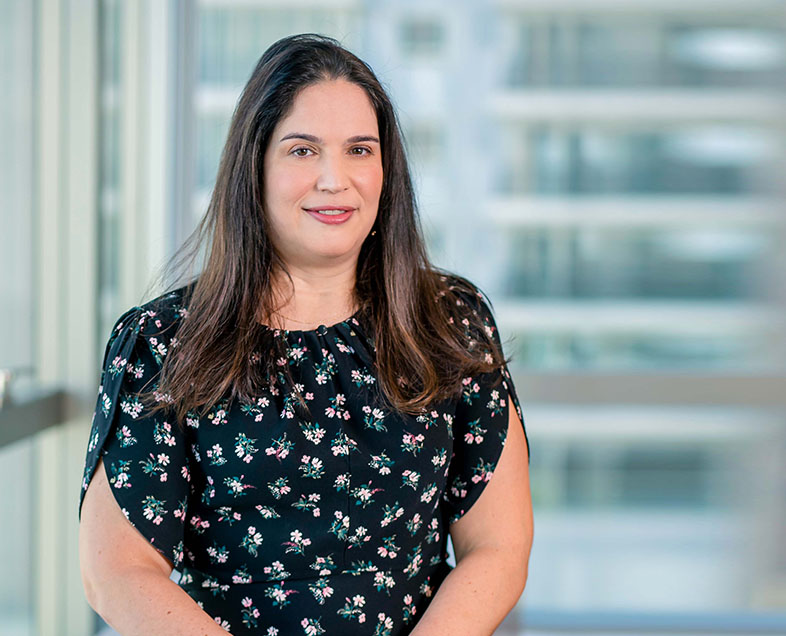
[313, 298]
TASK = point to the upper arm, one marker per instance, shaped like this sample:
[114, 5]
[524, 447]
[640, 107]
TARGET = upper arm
[502, 515]
[136, 480]
[107, 540]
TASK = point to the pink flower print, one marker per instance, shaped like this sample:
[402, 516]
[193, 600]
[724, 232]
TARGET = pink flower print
[117, 365]
[158, 347]
[223, 623]
[219, 417]
[162, 397]
[409, 609]
[120, 480]
[199, 525]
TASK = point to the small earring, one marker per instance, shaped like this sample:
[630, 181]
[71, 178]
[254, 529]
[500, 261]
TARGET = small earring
[373, 232]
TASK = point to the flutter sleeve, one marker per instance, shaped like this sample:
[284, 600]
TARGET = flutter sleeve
[480, 426]
[145, 456]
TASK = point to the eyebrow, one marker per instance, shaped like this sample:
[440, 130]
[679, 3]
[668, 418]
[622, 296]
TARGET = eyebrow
[317, 140]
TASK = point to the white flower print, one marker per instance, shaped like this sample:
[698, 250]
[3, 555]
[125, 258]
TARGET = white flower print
[297, 543]
[131, 406]
[311, 627]
[312, 467]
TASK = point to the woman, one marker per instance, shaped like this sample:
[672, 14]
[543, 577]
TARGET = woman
[298, 429]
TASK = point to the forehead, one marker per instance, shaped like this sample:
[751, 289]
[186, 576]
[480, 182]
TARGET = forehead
[329, 104]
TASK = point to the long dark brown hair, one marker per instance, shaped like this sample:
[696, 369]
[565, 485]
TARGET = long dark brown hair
[423, 349]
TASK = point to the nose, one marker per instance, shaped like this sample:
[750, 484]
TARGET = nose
[333, 176]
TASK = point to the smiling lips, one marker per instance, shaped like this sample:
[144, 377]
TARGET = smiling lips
[320, 208]
[330, 214]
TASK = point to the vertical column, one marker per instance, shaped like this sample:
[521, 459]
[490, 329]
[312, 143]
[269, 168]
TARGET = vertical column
[66, 211]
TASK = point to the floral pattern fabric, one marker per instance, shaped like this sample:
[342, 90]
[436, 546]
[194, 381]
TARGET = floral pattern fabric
[285, 525]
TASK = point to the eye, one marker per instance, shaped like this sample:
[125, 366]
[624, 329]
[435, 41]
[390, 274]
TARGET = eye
[297, 150]
[365, 148]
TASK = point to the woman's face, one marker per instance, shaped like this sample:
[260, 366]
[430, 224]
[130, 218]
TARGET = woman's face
[324, 154]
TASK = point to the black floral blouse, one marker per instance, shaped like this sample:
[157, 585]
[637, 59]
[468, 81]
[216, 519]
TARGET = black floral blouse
[284, 526]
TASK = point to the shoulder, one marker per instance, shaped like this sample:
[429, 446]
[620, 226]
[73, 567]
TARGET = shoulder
[153, 323]
[467, 297]
[163, 313]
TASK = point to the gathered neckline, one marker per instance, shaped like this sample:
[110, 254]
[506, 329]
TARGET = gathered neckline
[318, 330]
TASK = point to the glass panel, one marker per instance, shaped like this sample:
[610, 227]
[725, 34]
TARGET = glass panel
[725, 55]
[639, 514]
[643, 348]
[211, 134]
[17, 299]
[649, 263]
[231, 39]
[17, 218]
[17, 616]
[654, 512]
[421, 37]
[654, 50]
[596, 159]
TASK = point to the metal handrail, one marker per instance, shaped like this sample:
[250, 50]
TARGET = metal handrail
[32, 413]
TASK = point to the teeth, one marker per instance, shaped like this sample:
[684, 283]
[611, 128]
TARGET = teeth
[332, 212]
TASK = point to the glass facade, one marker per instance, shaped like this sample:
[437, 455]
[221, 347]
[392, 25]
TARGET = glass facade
[647, 49]
[637, 159]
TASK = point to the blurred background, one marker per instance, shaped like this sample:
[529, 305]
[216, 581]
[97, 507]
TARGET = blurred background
[610, 172]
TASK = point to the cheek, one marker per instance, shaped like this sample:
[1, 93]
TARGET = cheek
[372, 180]
[287, 186]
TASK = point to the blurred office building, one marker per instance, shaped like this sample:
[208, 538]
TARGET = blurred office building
[610, 172]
